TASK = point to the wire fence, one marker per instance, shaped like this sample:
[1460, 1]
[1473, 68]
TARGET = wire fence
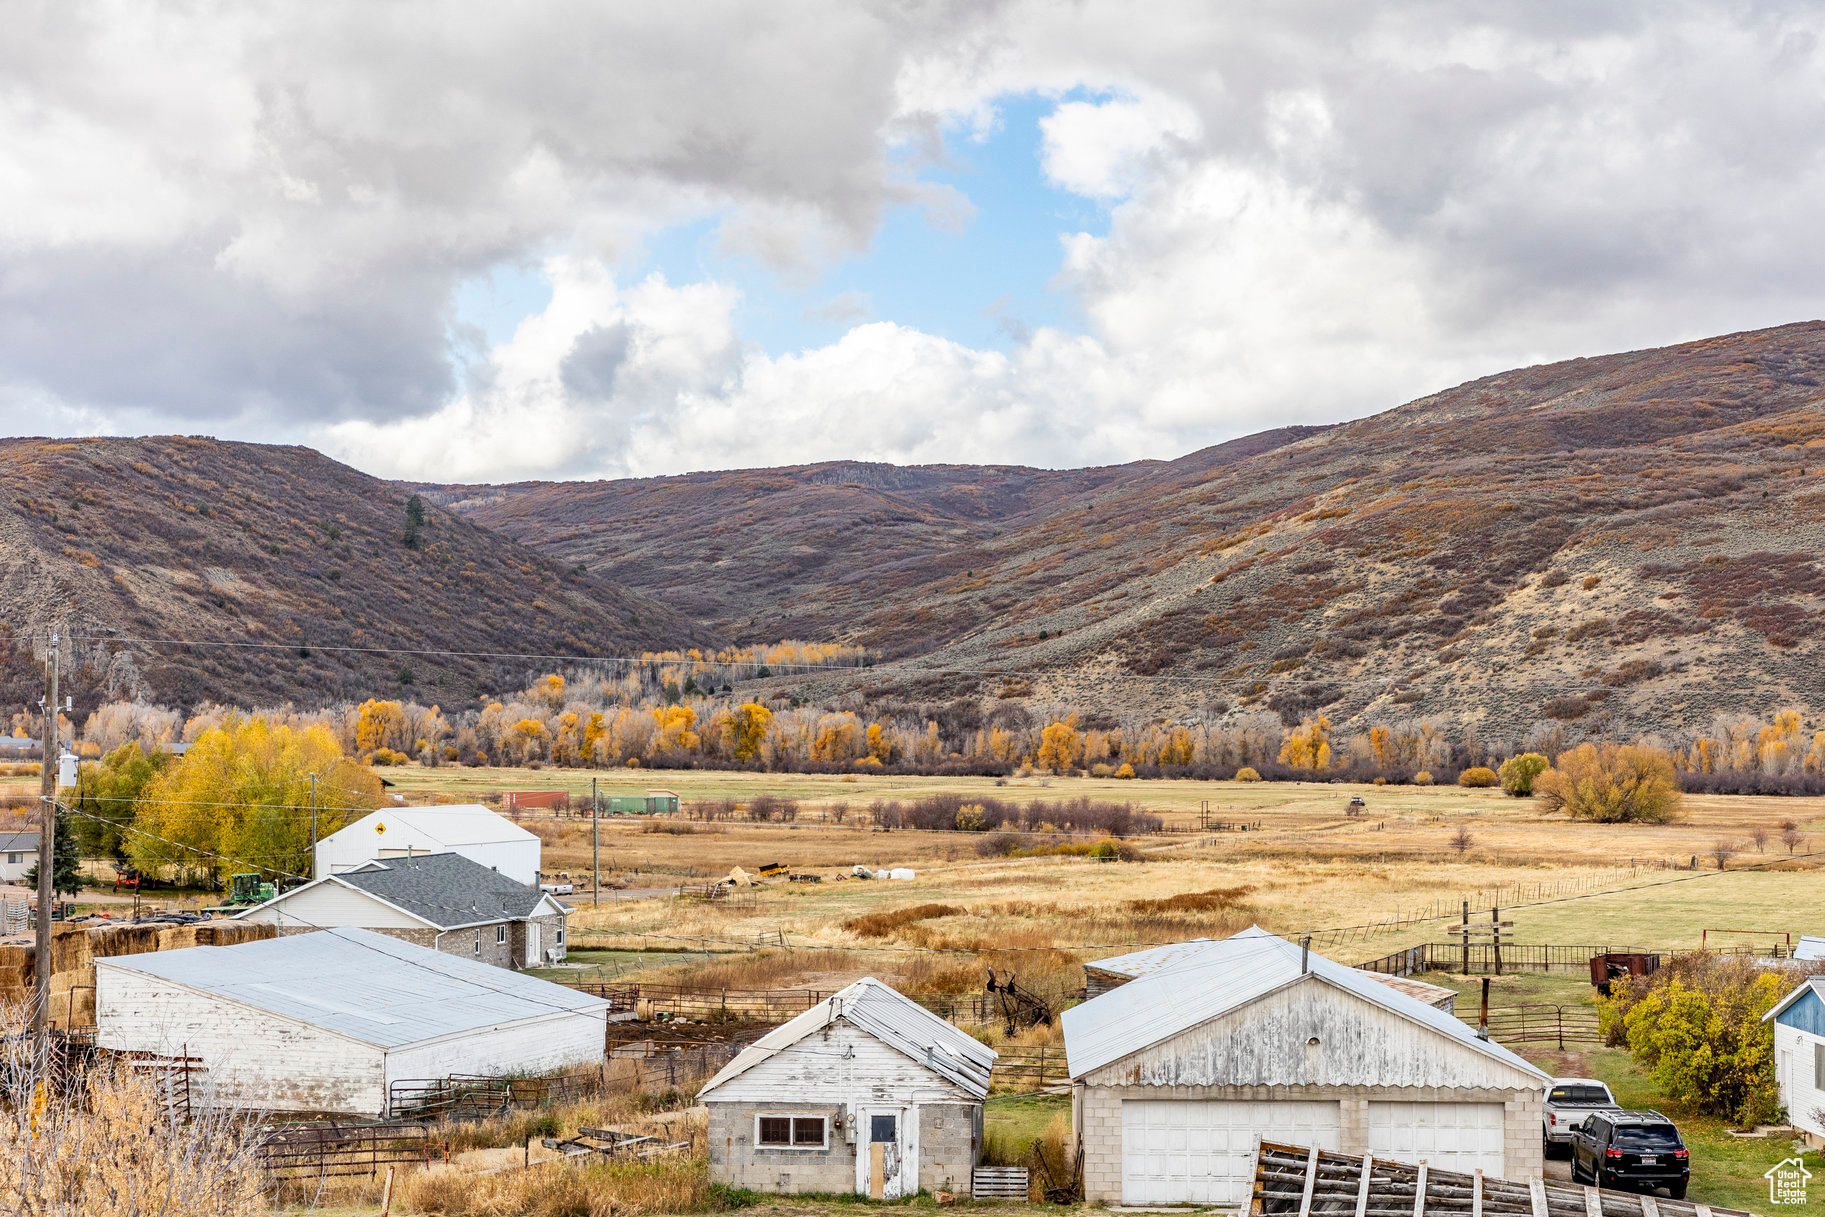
[765, 1005]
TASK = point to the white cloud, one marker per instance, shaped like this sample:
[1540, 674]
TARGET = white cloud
[255, 219]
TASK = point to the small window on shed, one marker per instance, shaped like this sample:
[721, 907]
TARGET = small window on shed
[500, 933]
[1818, 1066]
[796, 1132]
[478, 942]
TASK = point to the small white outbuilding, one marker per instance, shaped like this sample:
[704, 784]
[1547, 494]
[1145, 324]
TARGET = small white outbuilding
[866, 1092]
[468, 829]
[1178, 1073]
[1799, 1056]
[328, 1021]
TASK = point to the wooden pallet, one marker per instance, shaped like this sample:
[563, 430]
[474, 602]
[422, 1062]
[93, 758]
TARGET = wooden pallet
[999, 1183]
[1300, 1181]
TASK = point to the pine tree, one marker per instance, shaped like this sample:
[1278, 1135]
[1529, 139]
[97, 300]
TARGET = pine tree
[66, 860]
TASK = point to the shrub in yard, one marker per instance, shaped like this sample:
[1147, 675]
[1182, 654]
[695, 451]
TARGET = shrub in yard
[1422, 778]
[1477, 776]
[1696, 1025]
[1629, 784]
[1126, 771]
[1518, 773]
[1246, 774]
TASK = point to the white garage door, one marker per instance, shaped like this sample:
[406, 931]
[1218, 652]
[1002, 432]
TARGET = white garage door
[1198, 1152]
[1453, 1136]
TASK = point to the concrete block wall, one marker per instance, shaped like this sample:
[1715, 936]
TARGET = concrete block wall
[950, 1145]
[738, 1162]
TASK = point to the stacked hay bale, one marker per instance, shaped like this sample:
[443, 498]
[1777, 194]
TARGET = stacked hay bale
[75, 948]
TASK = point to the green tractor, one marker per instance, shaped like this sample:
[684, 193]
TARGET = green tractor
[245, 891]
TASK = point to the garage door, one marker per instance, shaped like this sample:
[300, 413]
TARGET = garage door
[1454, 1136]
[1199, 1152]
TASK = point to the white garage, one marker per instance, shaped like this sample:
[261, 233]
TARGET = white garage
[1190, 1151]
[1451, 1136]
[1177, 1074]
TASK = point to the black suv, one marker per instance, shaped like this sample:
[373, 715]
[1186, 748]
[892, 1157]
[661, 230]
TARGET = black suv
[1631, 1149]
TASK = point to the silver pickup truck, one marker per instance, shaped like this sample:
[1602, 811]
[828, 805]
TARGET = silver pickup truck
[1568, 1102]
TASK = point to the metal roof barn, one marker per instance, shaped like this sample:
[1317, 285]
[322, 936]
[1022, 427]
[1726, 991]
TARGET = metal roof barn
[468, 829]
[327, 1021]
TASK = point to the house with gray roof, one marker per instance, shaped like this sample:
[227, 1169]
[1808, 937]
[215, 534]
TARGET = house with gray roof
[444, 901]
[18, 854]
[339, 1021]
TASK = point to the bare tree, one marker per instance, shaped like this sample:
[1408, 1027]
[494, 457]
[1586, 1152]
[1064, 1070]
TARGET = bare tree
[838, 811]
[1462, 840]
[1723, 851]
[1791, 836]
[1759, 835]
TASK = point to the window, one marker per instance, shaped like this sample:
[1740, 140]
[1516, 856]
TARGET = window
[881, 1128]
[1648, 1139]
[500, 934]
[790, 1132]
[15, 859]
[478, 942]
[560, 935]
[1818, 1066]
[1580, 1096]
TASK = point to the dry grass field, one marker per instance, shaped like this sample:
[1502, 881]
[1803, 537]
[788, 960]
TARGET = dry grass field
[1303, 866]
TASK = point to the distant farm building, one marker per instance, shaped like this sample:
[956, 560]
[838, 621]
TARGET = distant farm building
[1178, 1072]
[1106, 974]
[866, 1092]
[443, 901]
[327, 1022]
[18, 854]
[468, 829]
[652, 803]
[534, 800]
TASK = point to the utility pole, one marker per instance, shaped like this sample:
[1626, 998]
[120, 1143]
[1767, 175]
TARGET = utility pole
[595, 846]
[313, 826]
[47, 827]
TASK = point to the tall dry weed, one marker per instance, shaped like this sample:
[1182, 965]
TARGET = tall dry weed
[107, 1147]
[568, 1189]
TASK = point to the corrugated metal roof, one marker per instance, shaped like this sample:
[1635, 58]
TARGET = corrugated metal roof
[369, 987]
[1158, 959]
[1223, 976]
[1811, 948]
[890, 1017]
[456, 824]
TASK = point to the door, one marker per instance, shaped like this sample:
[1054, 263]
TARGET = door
[886, 1164]
[1451, 1136]
[1186, 1151]
[532, 944]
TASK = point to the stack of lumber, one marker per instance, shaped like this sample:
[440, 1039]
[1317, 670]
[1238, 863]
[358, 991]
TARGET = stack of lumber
[75, 948]
[1298, 1181]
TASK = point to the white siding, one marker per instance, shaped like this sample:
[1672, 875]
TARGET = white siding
[1269, 1043]
[328, 905]
[1452, 1136]
[13, 872]
[547, 1045]
[1793, 1071]
[513, 852]
[254, 1058]
[840, 1064]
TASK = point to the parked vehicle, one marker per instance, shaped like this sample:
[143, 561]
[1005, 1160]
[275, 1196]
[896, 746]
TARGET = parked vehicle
[1635, 1149]
[1568, 1102]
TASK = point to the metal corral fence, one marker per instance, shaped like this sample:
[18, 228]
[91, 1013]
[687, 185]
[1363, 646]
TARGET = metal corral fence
[1544, 1023]
[1020, 1068]
[767, 1005]
[476, 1097]
[1479, 957]
[330, 1150]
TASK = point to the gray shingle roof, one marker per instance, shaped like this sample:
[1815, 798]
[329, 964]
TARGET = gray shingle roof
[445, 889]
[18, 842]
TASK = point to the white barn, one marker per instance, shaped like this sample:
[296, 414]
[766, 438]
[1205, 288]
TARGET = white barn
[1178, 1073]
[866, 1092]
[1799, 1057]
[327, 1021]
[468, 829]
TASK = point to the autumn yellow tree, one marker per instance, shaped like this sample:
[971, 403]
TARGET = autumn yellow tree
[1611, 784]
[879, 746]
[239, 799]
[748, 730]
[838, 739]
[675, 734]
[1381, 747]
[1308, 746]
[1060, 747]
[380, 724]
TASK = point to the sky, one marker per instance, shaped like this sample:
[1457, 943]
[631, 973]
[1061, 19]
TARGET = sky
[483, 242]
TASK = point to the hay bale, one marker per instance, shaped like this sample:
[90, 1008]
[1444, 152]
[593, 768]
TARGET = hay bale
[176, 938]
[15, 955]
[63, 982]
[69, 948]
[136, 939]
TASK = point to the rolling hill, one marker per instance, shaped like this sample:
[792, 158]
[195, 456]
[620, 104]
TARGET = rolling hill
[271, 558]
[1622, 543]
